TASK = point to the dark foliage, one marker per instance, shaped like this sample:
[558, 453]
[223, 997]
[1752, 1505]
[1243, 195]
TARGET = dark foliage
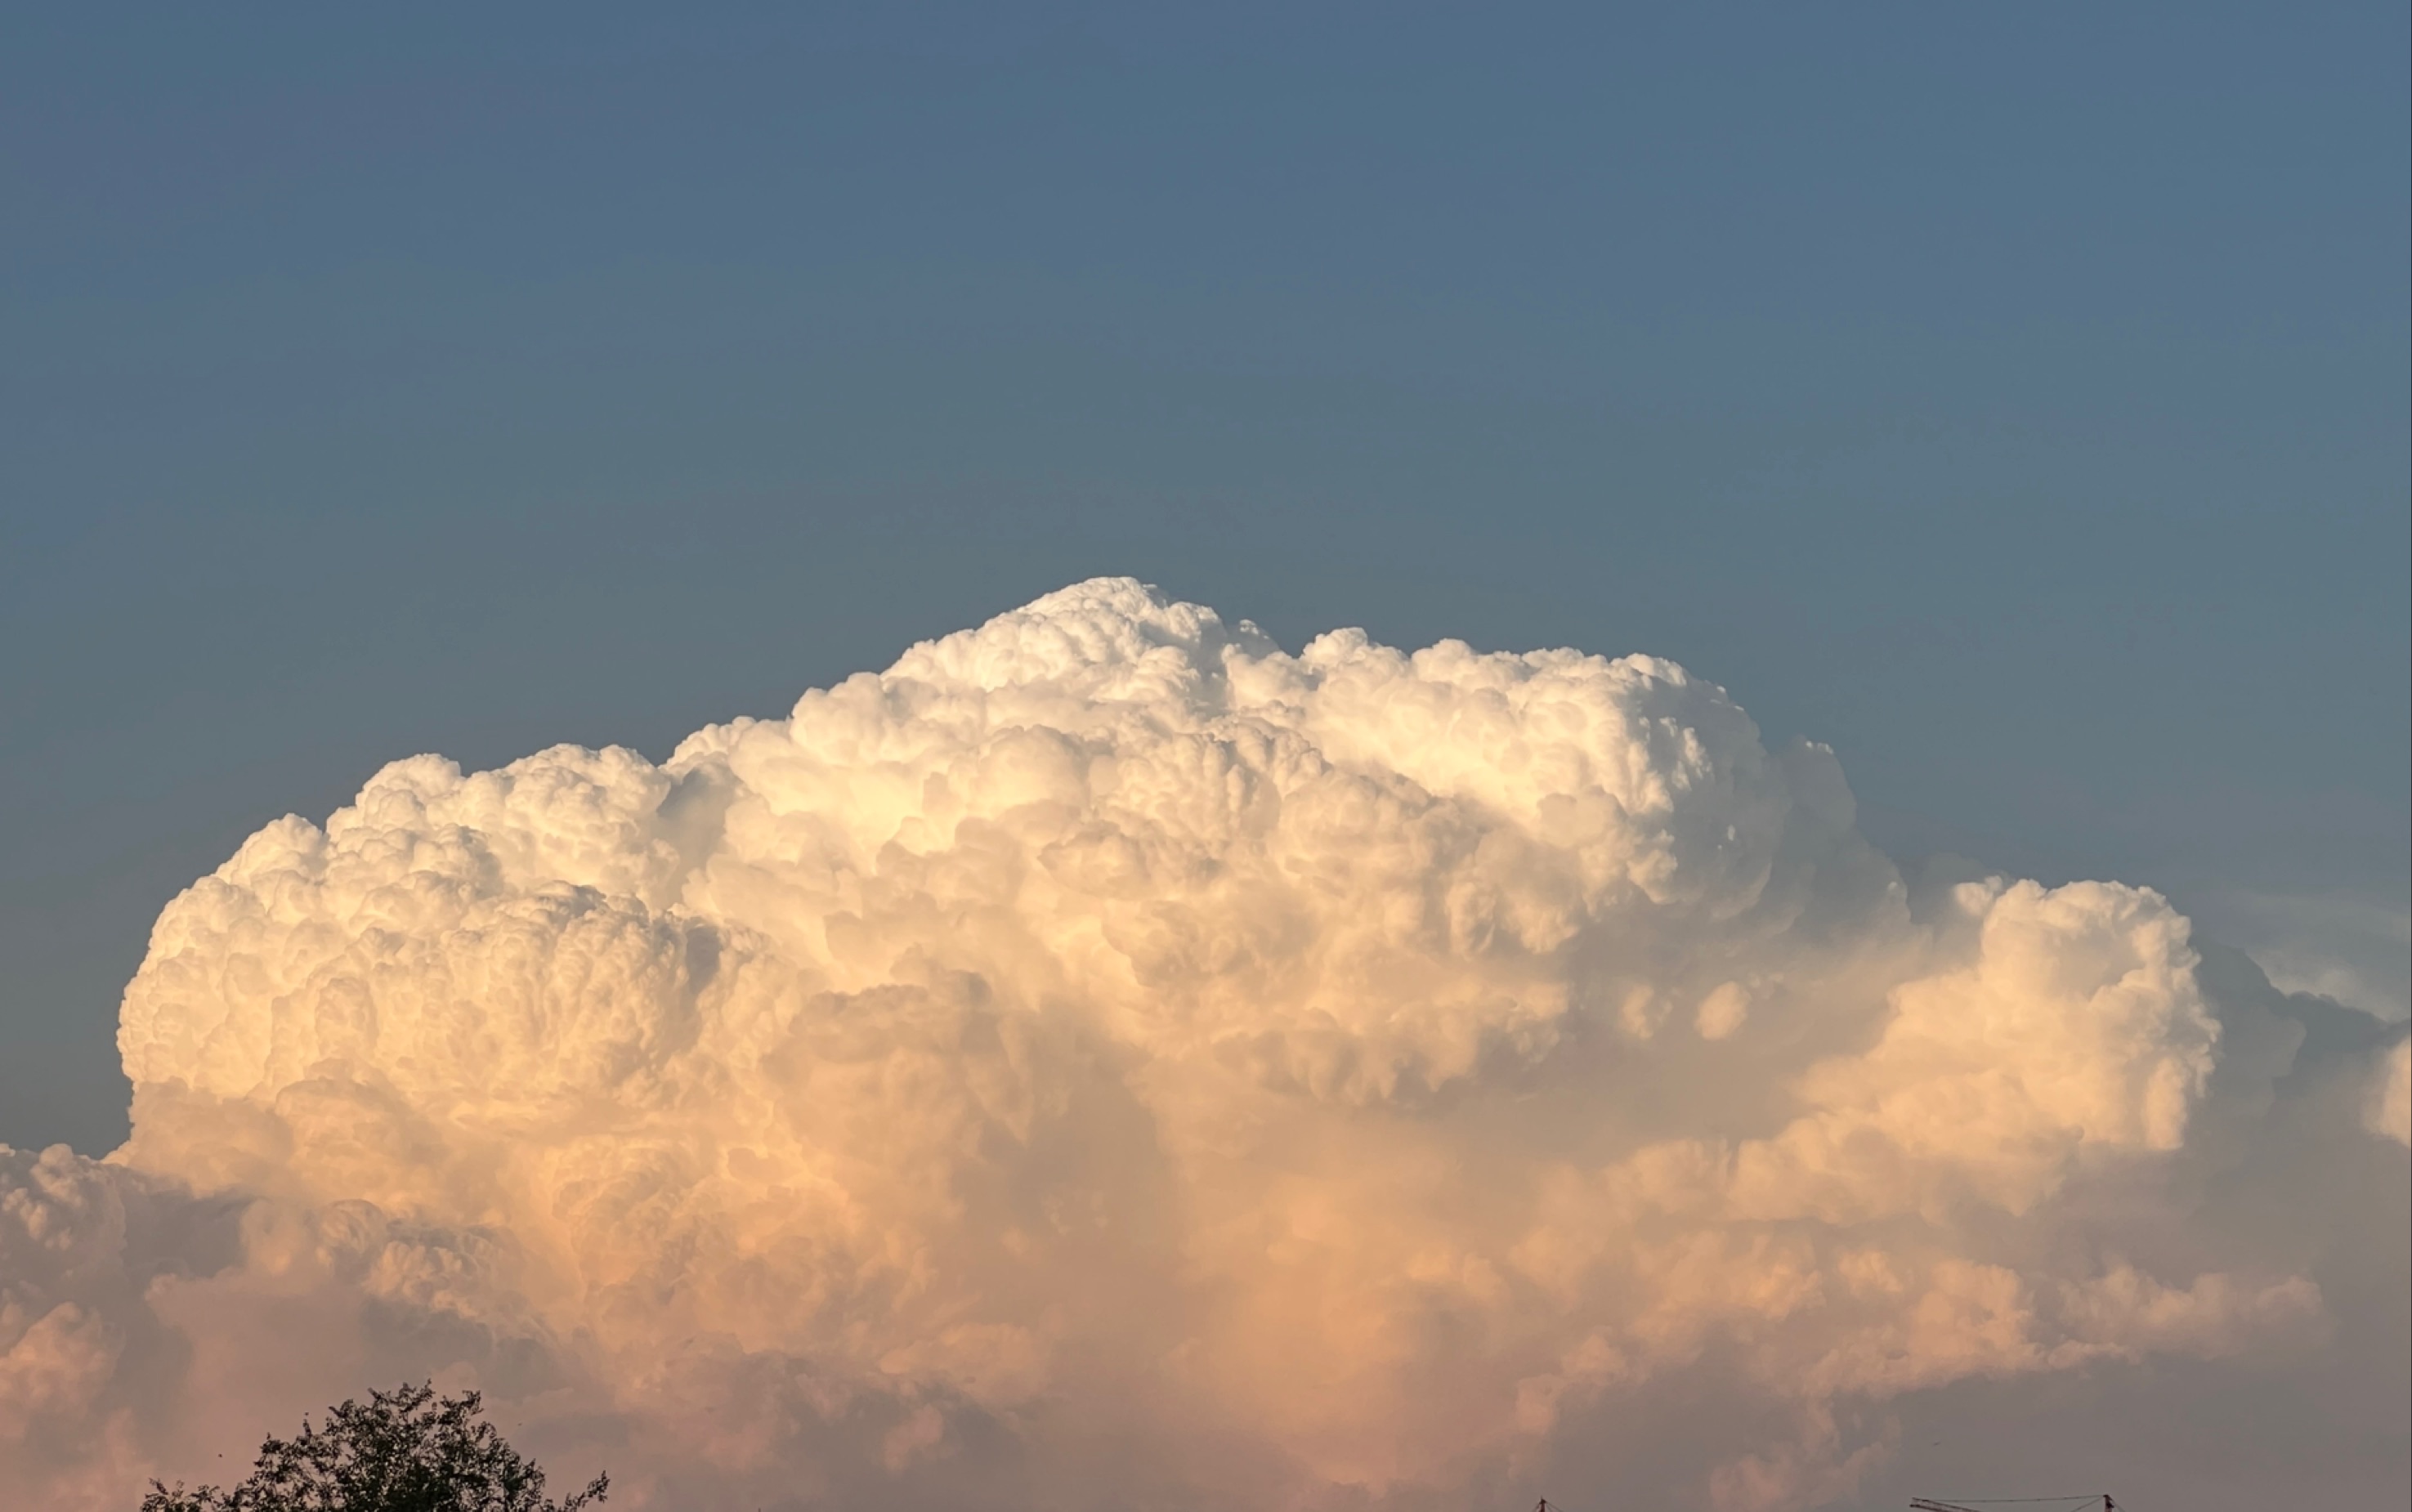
[405, 1451]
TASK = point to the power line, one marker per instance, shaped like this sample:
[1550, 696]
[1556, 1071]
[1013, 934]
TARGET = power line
[2074, 1503]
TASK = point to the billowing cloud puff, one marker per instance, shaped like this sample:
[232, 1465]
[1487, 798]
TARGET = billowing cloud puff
[2390, 1100]
[1106, 1059]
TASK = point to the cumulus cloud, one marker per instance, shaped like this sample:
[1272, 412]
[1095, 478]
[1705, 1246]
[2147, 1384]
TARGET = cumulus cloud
[1106, 1060]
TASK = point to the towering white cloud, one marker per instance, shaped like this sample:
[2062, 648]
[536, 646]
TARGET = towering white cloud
[1105, 1060]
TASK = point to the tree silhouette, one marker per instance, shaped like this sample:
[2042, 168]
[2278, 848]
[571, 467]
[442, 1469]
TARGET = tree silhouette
[405, 1451]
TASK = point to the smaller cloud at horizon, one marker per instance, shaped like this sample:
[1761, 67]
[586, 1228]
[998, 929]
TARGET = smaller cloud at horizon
[2353, 948]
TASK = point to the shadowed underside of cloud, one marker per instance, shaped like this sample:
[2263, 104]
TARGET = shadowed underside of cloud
[1107, 1061]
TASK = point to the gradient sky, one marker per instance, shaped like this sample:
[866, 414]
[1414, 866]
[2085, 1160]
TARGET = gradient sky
[2016, 401]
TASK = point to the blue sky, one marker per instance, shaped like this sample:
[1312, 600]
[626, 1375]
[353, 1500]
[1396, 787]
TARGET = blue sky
[2015, 400]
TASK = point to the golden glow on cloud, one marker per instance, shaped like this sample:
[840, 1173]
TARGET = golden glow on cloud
[1105, 1050]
